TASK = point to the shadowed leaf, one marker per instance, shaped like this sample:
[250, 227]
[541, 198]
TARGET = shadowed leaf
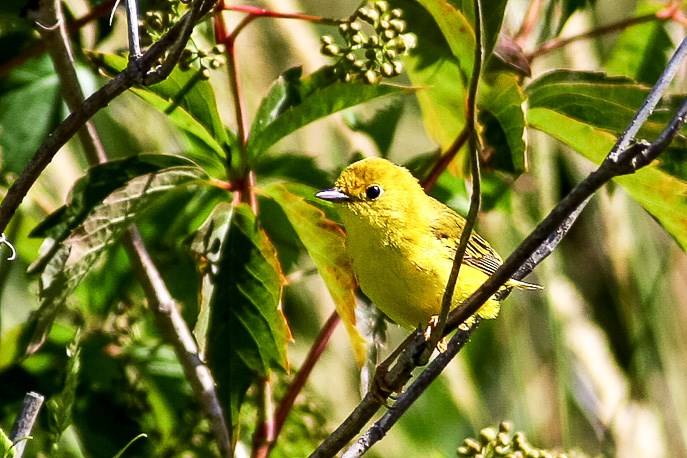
[246, 334]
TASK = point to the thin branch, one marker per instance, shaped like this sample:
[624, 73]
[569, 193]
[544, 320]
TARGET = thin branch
[57, 38]
[99, 99]
[132, 29]
[446, 157]
[176, 331]
[262, 12]
[382, 426]
[547, 232]
[475, 198]
[164, 308]
[21, 431]
[299, 382]
[560, 42]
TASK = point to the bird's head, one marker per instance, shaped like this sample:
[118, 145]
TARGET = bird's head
[375, 191]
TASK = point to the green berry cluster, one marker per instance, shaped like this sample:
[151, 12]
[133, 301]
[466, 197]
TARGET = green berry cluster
[498, 443]
[206, 60]
[370, 57]
[158, 19]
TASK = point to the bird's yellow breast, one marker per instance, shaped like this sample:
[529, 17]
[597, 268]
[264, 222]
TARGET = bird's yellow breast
[405, 280]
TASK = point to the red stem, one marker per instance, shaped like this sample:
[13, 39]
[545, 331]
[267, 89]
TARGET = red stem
[297, 385]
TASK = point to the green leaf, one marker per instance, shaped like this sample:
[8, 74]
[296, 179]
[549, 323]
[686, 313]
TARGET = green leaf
[602, 101]
[206, 245]
[441, 64]
[98, 182]
[325, 243]
[25, 125]
[500, 112]
[6, 445]
[641, 51]
[247, 332]
[60, 406]
[188, 100]
[492, 19]
[662, 195]
[381, 127]
[290, 106]
[65, 263]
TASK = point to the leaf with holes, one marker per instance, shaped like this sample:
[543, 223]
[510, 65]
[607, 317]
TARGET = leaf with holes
[325, 243]
[64, 264]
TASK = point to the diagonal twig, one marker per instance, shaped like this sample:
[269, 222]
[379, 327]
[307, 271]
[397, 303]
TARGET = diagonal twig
[137, 71]
[164, 308]
[621, 160]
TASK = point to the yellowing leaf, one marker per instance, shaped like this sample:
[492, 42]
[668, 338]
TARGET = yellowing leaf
[325, 243]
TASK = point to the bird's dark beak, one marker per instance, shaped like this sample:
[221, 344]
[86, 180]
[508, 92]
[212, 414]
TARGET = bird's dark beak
[333, 195]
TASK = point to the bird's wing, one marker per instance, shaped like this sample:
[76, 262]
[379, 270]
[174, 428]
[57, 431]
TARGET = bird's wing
[448, 226]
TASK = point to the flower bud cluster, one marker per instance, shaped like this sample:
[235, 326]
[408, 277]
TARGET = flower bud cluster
[373, 55]
[493, 443]
[206, 60]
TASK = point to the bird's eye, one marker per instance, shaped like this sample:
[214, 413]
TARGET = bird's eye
[373, 192]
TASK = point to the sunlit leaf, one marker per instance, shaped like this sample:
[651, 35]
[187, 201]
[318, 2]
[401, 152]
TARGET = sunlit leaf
[492, 19]
[325, 243]
[441, 64]
[285, 110]
[188, 101]
[662, 195]
[247, 333]
[6, 449]
[501, 114]
[206, 245]
[65, 263]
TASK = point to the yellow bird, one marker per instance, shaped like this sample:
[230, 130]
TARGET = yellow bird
[402, 243]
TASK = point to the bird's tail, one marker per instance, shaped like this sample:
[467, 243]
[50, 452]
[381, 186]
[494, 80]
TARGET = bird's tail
[523, 285]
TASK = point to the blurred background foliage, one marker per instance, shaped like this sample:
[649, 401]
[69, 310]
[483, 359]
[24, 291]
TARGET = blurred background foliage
[596, 362]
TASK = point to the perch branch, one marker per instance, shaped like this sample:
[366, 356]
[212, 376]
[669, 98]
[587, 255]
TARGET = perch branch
[541, 242]
[21, 431]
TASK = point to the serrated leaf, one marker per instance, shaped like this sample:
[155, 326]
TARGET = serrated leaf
[188, 101]
[662, 195]
[284, 111]
[501, 114]
[247, 332]
[641, 51]
[325, 243]
[66, 263]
